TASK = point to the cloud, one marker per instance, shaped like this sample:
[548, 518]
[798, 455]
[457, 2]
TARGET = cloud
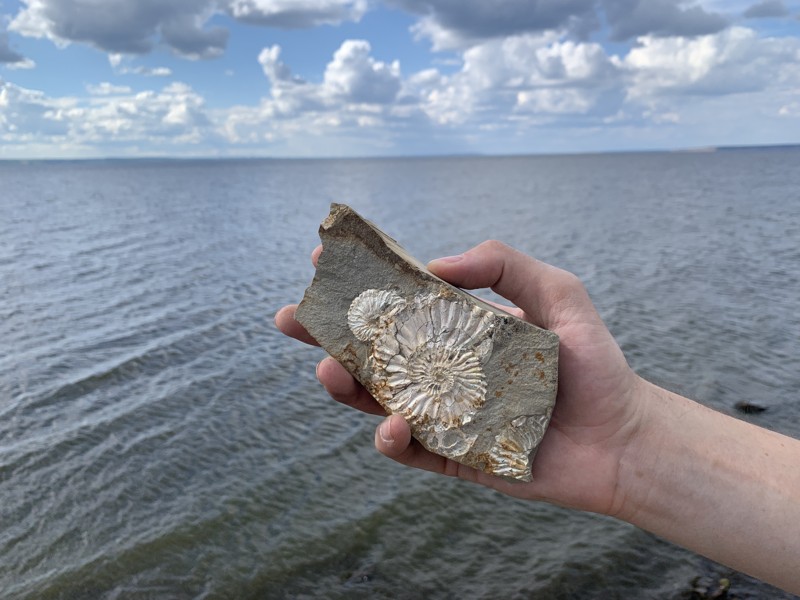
[632, 18]
[454, 24]
[117, 62]
[510, 75]
[175, 114]
[733, 61]
[107, 89]
[126, 27]
[791, 109]
[552, 101]
[353, 76]
[120, 26]
[521, 83]
[152, 72]
[294, 14]
[289, 95]
[186, 34]
[111, 117]
[275, 70]
[25, 115]
[766, 9]
[9, 57]
[539, 74]
[457, 23]
[503, 84]
[357, 93]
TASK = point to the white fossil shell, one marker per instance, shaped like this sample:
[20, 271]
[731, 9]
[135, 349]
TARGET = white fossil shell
[432, 360]
[371, 312]
[511, 449]
[453, 442]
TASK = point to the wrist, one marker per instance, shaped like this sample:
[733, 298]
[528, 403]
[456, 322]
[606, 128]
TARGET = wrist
[717, 485]
[646, 446]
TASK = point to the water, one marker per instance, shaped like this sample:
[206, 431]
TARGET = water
[160, 439]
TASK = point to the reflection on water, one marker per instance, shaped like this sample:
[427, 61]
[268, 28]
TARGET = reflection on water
[159, 438]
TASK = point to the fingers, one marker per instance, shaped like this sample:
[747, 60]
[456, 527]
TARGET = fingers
[334, 377]
[284, 318]
[393, 439]
[547, 294]
[285, 321]
[393, 436]
[517, 312]
[341, 386]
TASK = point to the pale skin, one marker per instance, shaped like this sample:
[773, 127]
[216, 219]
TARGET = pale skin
[617, 445]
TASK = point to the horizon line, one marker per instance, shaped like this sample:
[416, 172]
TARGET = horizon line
[254, 157]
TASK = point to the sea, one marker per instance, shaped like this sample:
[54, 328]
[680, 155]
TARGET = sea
[160, 438]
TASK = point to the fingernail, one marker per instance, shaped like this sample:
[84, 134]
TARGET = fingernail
[449, 259]
[316, 371]
[385, 431]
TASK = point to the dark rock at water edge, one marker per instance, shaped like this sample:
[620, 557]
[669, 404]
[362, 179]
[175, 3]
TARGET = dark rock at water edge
[749, 408]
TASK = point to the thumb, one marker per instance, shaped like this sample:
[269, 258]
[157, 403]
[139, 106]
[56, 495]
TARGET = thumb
[548, 295]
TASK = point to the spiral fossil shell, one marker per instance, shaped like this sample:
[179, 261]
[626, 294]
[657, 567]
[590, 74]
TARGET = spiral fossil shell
[453, 442]
[370, 312]
[428, 355]
[509, 454]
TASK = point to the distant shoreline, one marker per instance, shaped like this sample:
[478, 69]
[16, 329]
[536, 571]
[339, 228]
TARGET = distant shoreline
[253, 158]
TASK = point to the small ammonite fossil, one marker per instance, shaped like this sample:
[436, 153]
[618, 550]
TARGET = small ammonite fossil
[511, 449]
[371, 311]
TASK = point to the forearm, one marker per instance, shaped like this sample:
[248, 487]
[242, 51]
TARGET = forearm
[714, 484]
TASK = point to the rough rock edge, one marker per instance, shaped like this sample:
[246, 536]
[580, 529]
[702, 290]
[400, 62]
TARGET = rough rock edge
[344, 222]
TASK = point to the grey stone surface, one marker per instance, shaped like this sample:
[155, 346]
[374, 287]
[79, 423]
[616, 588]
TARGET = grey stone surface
[475, 384]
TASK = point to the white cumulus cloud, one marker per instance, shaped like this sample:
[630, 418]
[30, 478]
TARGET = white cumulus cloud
[297, 13]
[121, 65]
[357, 92]
[733, 61]
[107, 89]
[526, 73]
[109, 119]
[354, 76]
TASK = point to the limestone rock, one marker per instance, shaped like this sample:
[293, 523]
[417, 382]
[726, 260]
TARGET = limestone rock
[474, 383]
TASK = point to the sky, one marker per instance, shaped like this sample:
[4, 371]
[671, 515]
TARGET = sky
[340, 78]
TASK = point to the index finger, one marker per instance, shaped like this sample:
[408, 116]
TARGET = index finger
[285, 321]
[315, 255]
[545, 293]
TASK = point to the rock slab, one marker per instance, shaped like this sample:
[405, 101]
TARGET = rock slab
[475, 383]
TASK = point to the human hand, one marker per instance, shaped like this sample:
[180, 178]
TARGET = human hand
[616, 444]
[596, 414]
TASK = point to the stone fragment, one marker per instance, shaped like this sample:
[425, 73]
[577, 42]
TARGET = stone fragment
[475, 384]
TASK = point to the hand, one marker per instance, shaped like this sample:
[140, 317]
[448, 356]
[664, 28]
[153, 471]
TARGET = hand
[616, 444]
[595, 415]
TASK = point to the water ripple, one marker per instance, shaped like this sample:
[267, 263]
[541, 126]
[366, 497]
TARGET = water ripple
[160, 439]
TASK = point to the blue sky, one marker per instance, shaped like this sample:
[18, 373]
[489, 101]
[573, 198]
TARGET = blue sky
[97, 78]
